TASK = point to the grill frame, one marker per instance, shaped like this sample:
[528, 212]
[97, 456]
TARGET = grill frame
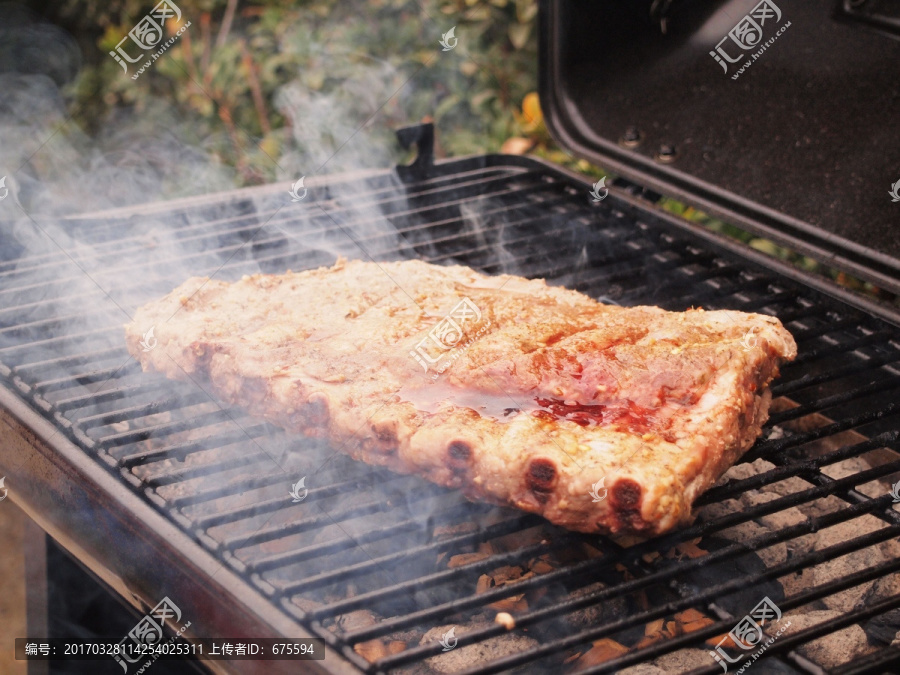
[55, 459]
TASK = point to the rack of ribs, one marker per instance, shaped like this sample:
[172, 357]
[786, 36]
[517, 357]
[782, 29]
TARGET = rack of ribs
[600, 418]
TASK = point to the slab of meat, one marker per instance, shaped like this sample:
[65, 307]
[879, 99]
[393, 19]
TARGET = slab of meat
[600, 418]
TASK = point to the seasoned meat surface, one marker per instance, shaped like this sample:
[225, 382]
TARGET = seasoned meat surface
[600, 418]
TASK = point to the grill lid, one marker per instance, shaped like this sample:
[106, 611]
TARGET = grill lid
[800, 146]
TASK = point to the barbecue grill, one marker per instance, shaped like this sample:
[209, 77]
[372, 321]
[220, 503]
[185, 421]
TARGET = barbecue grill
[161, 492]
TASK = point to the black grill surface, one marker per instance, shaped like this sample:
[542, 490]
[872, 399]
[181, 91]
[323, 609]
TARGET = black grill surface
[369, 559]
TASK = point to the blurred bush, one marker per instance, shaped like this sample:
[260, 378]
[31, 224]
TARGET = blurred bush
[247, 75]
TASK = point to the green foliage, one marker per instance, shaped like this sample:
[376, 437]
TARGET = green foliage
[282, 84]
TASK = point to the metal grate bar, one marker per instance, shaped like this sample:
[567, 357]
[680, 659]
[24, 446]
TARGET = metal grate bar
[793, 469]
[308, 523]
[185, 474]
[770, 447]
[877, 662]
[33, 369]
[162, 429]
[106, 396]
[273, 562]
[835, 400]
[181, 502]
[137, 411]
[180, 452]
[259, 508]
[808, 380]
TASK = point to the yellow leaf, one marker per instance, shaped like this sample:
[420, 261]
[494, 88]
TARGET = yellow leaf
[531, 108]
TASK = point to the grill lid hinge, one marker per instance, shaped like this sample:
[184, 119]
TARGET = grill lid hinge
[422, 136]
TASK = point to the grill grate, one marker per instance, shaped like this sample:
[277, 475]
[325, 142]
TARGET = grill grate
[372, 561]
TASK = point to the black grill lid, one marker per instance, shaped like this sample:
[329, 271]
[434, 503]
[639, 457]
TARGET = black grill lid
[802, 147]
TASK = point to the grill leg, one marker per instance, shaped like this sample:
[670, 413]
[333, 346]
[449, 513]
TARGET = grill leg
[34, 546]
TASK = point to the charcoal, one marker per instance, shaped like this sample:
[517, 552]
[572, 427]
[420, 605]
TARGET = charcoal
[883, 629]
[745, 564]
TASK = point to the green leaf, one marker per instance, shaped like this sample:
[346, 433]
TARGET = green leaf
[765, 246]
[446, 105]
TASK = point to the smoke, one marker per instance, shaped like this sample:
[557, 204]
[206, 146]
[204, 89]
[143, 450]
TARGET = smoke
[96, 225]
[63, 183]
[93, 226]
